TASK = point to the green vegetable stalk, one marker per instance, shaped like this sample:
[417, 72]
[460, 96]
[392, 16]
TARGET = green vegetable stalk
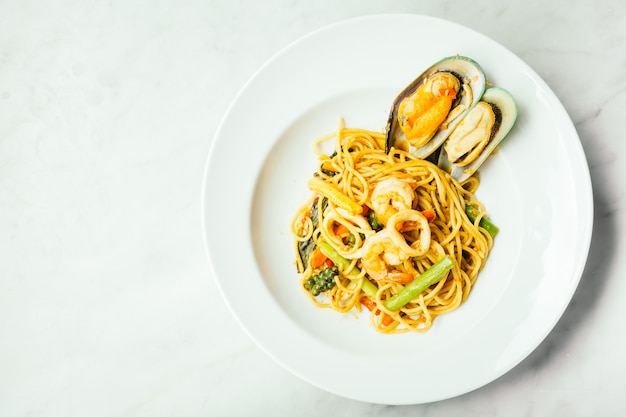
[367, 286]
[431, 276]
[337, 259]
[485, 223]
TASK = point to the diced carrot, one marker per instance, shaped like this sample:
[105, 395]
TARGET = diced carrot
[317, 258]
[430, 215]
[369, 304]
[386, 319]
[328, 166]
[329, 263]
[341, 230]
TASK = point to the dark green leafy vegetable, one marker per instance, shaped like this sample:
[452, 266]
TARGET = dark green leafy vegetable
[306, 248]
[314, 210]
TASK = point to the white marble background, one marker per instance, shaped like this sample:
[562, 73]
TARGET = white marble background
[107, 111]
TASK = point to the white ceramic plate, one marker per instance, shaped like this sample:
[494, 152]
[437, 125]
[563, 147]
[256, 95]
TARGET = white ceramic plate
[537, 189]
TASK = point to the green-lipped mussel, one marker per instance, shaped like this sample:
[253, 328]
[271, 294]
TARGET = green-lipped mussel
[478, 134]
[427, 110]
[449, 116]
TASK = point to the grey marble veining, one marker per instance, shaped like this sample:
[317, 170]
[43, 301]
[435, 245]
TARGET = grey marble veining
[107, 111]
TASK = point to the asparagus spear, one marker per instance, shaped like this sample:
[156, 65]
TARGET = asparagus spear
[367, 286]
[432, 275]
[485, 223]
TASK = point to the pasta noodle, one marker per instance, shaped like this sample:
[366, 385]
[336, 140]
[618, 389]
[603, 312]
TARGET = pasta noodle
[388, 217]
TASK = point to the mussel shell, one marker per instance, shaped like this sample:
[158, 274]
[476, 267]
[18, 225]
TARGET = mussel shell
[469, 73]
[506, 107]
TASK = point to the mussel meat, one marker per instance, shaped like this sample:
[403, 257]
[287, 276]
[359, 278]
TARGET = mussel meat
[426, 111]
[478, 133]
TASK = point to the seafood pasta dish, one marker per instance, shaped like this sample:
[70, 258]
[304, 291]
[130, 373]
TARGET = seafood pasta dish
[393, 225]
[377, 221]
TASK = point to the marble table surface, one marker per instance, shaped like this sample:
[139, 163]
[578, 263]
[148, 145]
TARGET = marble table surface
[107, 113]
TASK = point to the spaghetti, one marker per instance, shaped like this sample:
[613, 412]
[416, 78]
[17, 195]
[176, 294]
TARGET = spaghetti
[379, 220]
